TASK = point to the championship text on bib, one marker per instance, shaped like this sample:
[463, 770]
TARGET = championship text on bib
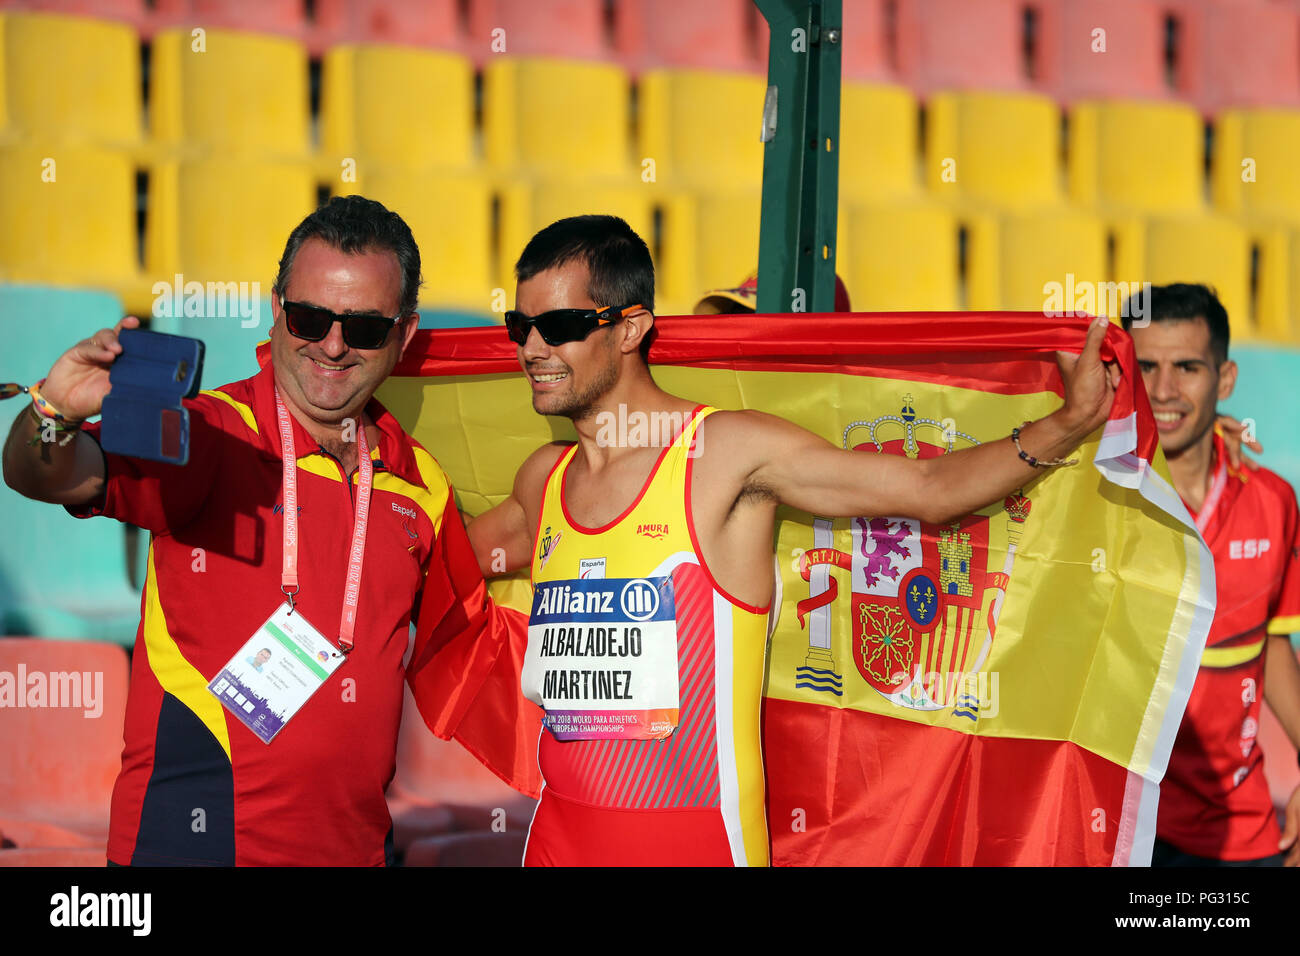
[602, 658]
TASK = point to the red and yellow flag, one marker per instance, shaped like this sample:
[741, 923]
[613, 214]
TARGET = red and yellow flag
[1004, 689]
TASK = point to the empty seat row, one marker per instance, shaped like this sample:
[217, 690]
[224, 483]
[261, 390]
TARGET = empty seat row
[693, 129]
[226, 221]
[1213, 53]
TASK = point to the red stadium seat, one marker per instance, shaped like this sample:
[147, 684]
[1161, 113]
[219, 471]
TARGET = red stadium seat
[1103, 48]
[1237, 53]
[956, 44]
[870, 46]
[53, 856]
[564, 28]
[469, 849]
[59, 759]
[430, 23]
[719, 35]
[433, 774]
[262, 16]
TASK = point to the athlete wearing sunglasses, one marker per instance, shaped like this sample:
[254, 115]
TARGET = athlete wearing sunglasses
[559, 326]
[689, 518]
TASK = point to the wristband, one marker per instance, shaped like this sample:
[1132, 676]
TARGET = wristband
[1037, 462]
[46, 409]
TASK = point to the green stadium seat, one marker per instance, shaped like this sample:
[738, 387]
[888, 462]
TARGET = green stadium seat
[557, 117]
[1136, 157]
[1254, 167]
[60, 760]
[95, 600]
[990, 148]
[69, 79]
[241, 94]
[398, 105]
[901, 256]
[701, 128]
[878, 141]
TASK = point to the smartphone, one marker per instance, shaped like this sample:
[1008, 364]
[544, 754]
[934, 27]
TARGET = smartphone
[142, 414]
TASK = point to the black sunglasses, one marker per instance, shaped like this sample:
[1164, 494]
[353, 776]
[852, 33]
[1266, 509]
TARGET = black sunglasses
[563, 325]
[359, 331]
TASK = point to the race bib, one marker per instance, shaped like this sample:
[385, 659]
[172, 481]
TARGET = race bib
[602, 658]
[276, 672]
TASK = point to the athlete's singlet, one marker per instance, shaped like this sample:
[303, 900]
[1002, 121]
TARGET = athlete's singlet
[651, 677]
[1214, 801]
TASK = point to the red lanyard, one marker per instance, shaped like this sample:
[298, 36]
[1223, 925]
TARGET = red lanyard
[365, 480]
[1212, 498]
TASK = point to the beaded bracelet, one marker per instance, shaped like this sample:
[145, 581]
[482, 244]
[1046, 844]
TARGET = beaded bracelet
[1037, 462]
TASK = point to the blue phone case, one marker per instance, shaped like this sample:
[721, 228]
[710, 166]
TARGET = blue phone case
[142, 415]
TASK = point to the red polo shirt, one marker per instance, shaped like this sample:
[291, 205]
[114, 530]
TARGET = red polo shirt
[1214, 801]
[196, 785]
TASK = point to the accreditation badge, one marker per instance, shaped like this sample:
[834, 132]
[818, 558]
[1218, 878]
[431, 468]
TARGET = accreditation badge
[602, 658]
[275, 672]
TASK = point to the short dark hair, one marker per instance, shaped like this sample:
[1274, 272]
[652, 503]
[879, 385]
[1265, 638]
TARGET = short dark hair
[354, 224]
[1181, 301]
[617, 259]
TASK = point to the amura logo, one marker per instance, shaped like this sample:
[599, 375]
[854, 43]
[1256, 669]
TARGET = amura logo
[655, 531]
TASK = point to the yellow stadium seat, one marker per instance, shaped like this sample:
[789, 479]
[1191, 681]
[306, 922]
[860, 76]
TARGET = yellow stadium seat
[1254, 168]
[701, 129]
[710, 241]
[1144, 157]
[450, 215]
[878, 136]
[556, 117]
[1291, 333]
[400, 105]
[224, 220]
[235, 92]
[998, 148]
[528, 206]
[902, 256]
[1060, 252]
[67, 215]
[1208, 249]
[69, 78]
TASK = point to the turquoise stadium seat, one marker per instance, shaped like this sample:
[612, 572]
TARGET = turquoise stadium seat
[93, 598]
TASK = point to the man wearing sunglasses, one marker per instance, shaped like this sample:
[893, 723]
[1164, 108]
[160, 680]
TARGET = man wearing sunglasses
[652, 559]
[307, 522]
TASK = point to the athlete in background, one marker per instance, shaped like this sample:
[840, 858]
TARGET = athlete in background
[1215, 807]
[694, 513]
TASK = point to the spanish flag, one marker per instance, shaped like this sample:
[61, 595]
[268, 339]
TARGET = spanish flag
[1001, 690]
